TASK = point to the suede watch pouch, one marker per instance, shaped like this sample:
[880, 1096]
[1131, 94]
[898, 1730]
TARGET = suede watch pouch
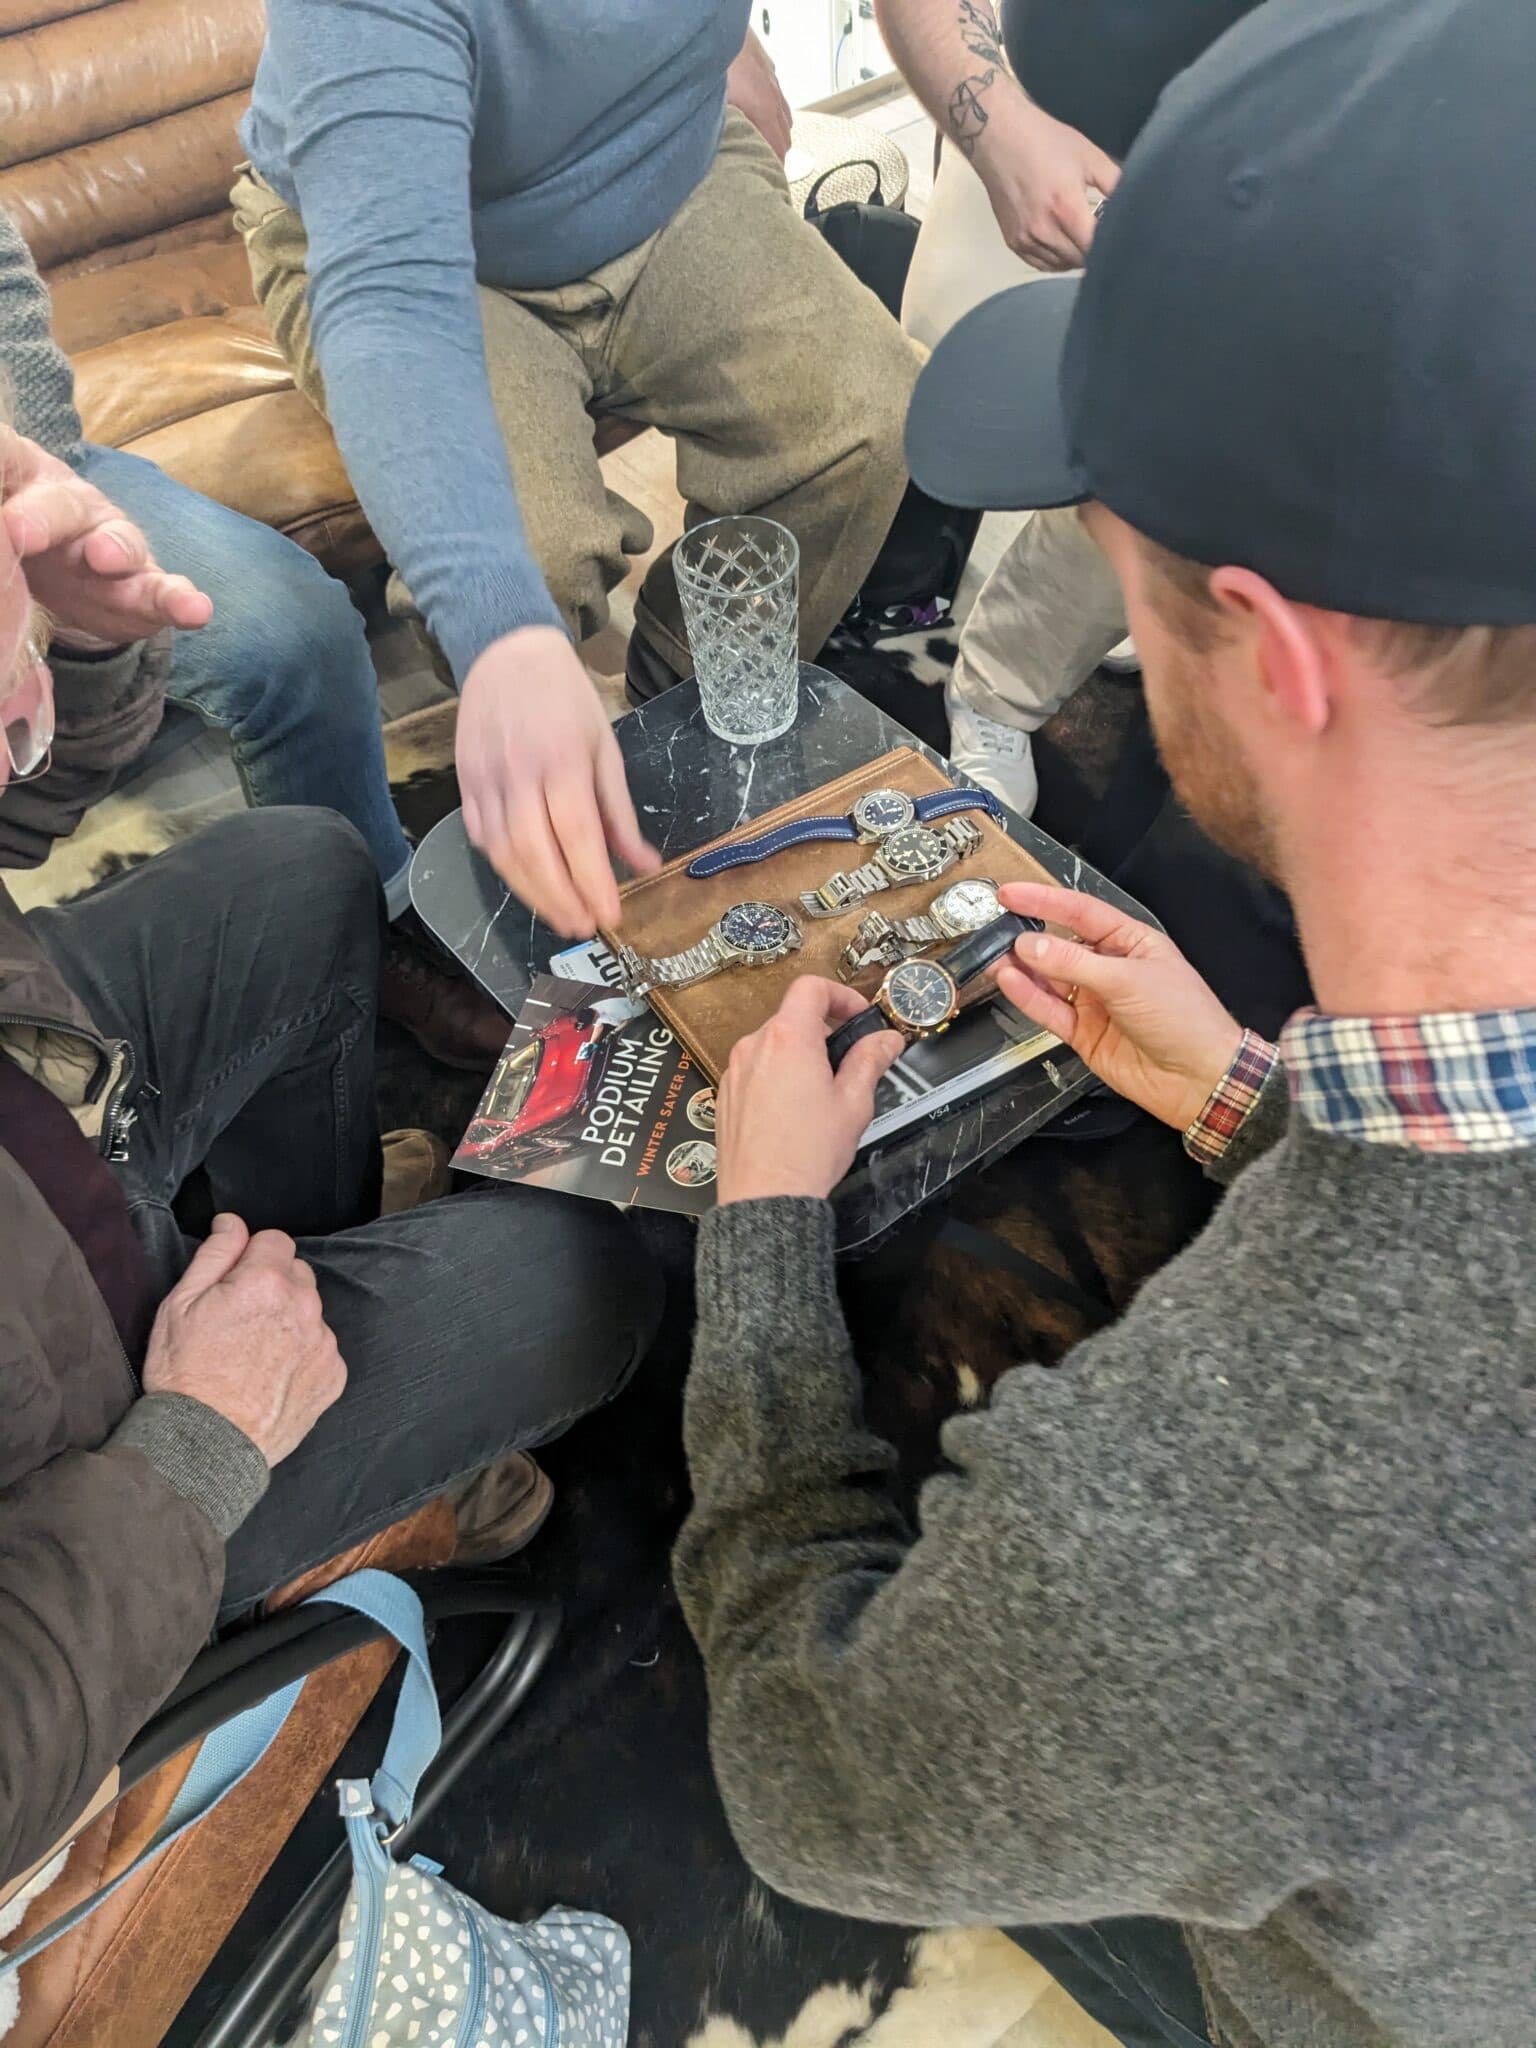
[666, 912]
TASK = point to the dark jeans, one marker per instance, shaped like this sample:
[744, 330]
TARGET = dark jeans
[242, 967]
[1135, 1977]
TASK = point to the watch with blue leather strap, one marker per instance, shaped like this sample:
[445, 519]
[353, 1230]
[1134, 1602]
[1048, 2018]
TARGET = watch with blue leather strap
[920, 998]
[876, 815]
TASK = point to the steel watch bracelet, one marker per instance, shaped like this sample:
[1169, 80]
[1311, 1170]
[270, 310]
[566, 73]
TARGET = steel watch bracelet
[670, 970]
[842, 891]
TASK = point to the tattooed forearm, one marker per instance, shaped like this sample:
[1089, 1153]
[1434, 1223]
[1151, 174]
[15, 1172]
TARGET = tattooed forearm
[978, 31]
[965, 110]
[966, 113]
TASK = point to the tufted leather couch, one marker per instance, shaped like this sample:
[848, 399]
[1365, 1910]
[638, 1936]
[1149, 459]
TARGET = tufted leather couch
[118, 145]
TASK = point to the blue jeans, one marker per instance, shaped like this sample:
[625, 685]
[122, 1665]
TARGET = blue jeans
[1136, 1977]
[282, 667]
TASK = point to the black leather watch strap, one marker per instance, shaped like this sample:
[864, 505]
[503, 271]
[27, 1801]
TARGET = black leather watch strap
[842, 1041]
[977, 951]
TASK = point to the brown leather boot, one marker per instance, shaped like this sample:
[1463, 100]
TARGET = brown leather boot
[430, 996]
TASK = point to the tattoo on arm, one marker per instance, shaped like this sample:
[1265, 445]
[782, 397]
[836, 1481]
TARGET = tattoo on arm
[978, 30]
[965, 111]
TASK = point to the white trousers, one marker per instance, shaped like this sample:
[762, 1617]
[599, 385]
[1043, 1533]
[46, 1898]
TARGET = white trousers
[1051, 609]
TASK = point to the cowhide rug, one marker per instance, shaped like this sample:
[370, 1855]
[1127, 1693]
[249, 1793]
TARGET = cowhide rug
[600, 1793]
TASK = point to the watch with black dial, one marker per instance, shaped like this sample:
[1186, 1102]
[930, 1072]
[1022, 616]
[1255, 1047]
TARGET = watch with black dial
[881, 941]
[875, 816]
[917, 853]
[747, 935]
[922, 997]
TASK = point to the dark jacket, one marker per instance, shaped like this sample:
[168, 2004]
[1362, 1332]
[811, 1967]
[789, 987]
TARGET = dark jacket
[113, 1508]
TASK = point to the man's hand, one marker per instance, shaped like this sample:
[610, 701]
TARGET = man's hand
[785, 1124]
[1038, 172]
[543, 783]
[1140, 1016]
[242, 1331]
[752, 85]
[85, 563]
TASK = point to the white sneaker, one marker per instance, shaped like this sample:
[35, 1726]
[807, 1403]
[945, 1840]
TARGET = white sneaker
[1122, 659]
[997, 757]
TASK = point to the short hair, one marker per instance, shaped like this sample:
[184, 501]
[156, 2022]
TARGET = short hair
[1452, 675]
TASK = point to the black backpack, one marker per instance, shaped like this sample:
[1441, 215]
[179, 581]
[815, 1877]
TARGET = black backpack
[918, 570]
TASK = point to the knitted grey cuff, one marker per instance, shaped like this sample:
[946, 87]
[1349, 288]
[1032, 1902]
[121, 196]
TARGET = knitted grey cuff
[199, 1453]
[771, 1261]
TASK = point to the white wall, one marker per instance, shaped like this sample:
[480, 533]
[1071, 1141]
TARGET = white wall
[805, 36]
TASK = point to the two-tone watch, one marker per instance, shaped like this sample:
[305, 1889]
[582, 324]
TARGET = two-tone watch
[876, 815]
[746, 935]
[922, 997]
[917, 853]
[882, 941]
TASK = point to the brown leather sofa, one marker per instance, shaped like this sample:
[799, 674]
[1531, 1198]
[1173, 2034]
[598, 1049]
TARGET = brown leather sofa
[118, 143]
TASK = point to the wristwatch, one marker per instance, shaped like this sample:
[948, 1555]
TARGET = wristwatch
[876, 815]
[917, 853]
[882, 941]
[922, 997]
[747, 935]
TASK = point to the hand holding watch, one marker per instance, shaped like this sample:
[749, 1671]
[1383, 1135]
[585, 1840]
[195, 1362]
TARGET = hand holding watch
[922, 997]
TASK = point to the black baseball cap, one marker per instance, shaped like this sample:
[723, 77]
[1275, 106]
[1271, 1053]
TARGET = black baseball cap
[1305, 341]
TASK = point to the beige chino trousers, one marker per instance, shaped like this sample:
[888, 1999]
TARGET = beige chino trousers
[1051, 609]
[735, 330]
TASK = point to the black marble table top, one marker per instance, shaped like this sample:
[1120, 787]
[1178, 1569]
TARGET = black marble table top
[690, 787]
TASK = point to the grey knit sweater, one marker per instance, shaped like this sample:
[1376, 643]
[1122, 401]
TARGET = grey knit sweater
[1231, 1619]
[38, 369]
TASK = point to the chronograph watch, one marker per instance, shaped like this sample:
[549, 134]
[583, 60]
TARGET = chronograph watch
[747, 935]
[921, 997]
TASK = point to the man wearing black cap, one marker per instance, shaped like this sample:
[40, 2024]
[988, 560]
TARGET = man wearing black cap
[1037, 103]
[1212, 1668]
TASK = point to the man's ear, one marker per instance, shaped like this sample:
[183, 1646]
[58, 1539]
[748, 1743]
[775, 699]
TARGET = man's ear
[1294, 663]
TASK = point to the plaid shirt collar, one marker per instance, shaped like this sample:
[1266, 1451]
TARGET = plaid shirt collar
[1453, 1081]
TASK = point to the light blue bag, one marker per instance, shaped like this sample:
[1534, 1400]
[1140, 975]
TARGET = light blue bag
[417, 1964]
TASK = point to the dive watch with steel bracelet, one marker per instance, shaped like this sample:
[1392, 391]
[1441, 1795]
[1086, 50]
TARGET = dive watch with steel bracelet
[875, 816]
[917, 853]
[747, 935]
[922, 997]
[882, 941]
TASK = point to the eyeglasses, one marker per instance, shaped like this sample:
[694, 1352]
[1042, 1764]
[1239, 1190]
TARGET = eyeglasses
[26, 711]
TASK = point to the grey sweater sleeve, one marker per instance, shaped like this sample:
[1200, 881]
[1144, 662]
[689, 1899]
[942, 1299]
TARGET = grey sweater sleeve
[38, 368]
[1006, 1716]
[380, 121]
[198, 1453]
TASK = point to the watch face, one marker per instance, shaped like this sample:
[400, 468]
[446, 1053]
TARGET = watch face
[967, 906]
[755, 928]
[914, 854]
[920, 994]
[882, 810]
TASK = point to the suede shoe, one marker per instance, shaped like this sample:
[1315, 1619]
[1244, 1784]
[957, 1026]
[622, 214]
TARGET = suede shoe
[415, 1171]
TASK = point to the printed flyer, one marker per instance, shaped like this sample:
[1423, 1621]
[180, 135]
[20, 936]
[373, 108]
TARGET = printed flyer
[595, 1096]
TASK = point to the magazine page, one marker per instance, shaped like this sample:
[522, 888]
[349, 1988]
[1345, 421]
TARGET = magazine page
[985, 1044]
[594, 1096]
